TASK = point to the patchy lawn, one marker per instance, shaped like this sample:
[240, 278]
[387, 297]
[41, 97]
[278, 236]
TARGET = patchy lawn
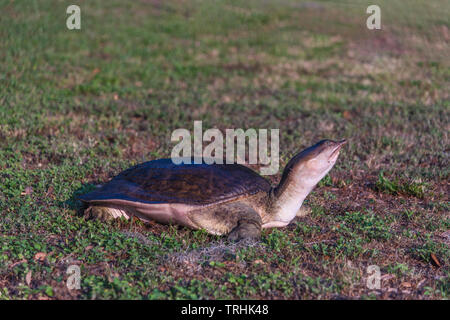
[77, 107]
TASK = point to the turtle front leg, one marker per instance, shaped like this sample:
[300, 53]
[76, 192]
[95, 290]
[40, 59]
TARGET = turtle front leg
[246, 229]
[237, 219]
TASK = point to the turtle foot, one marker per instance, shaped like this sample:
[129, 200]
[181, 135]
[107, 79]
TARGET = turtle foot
[245, 230]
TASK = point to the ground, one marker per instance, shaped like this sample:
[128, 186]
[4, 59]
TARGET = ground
[77, 107]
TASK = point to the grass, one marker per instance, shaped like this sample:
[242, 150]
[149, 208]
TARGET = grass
[77, 107]
[413, 188]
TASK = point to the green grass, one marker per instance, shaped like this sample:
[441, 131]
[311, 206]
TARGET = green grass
[415, 189]
[77, 107]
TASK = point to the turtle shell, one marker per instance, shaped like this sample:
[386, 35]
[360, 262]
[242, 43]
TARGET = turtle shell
[162, 181]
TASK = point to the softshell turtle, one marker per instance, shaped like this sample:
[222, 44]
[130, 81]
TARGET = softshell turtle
[220, 198]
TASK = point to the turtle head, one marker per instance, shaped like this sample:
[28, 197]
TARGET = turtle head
[316, 161]
[309, 166]
[300, 176]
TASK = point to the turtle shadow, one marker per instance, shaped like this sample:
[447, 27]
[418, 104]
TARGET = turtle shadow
[73, 201]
